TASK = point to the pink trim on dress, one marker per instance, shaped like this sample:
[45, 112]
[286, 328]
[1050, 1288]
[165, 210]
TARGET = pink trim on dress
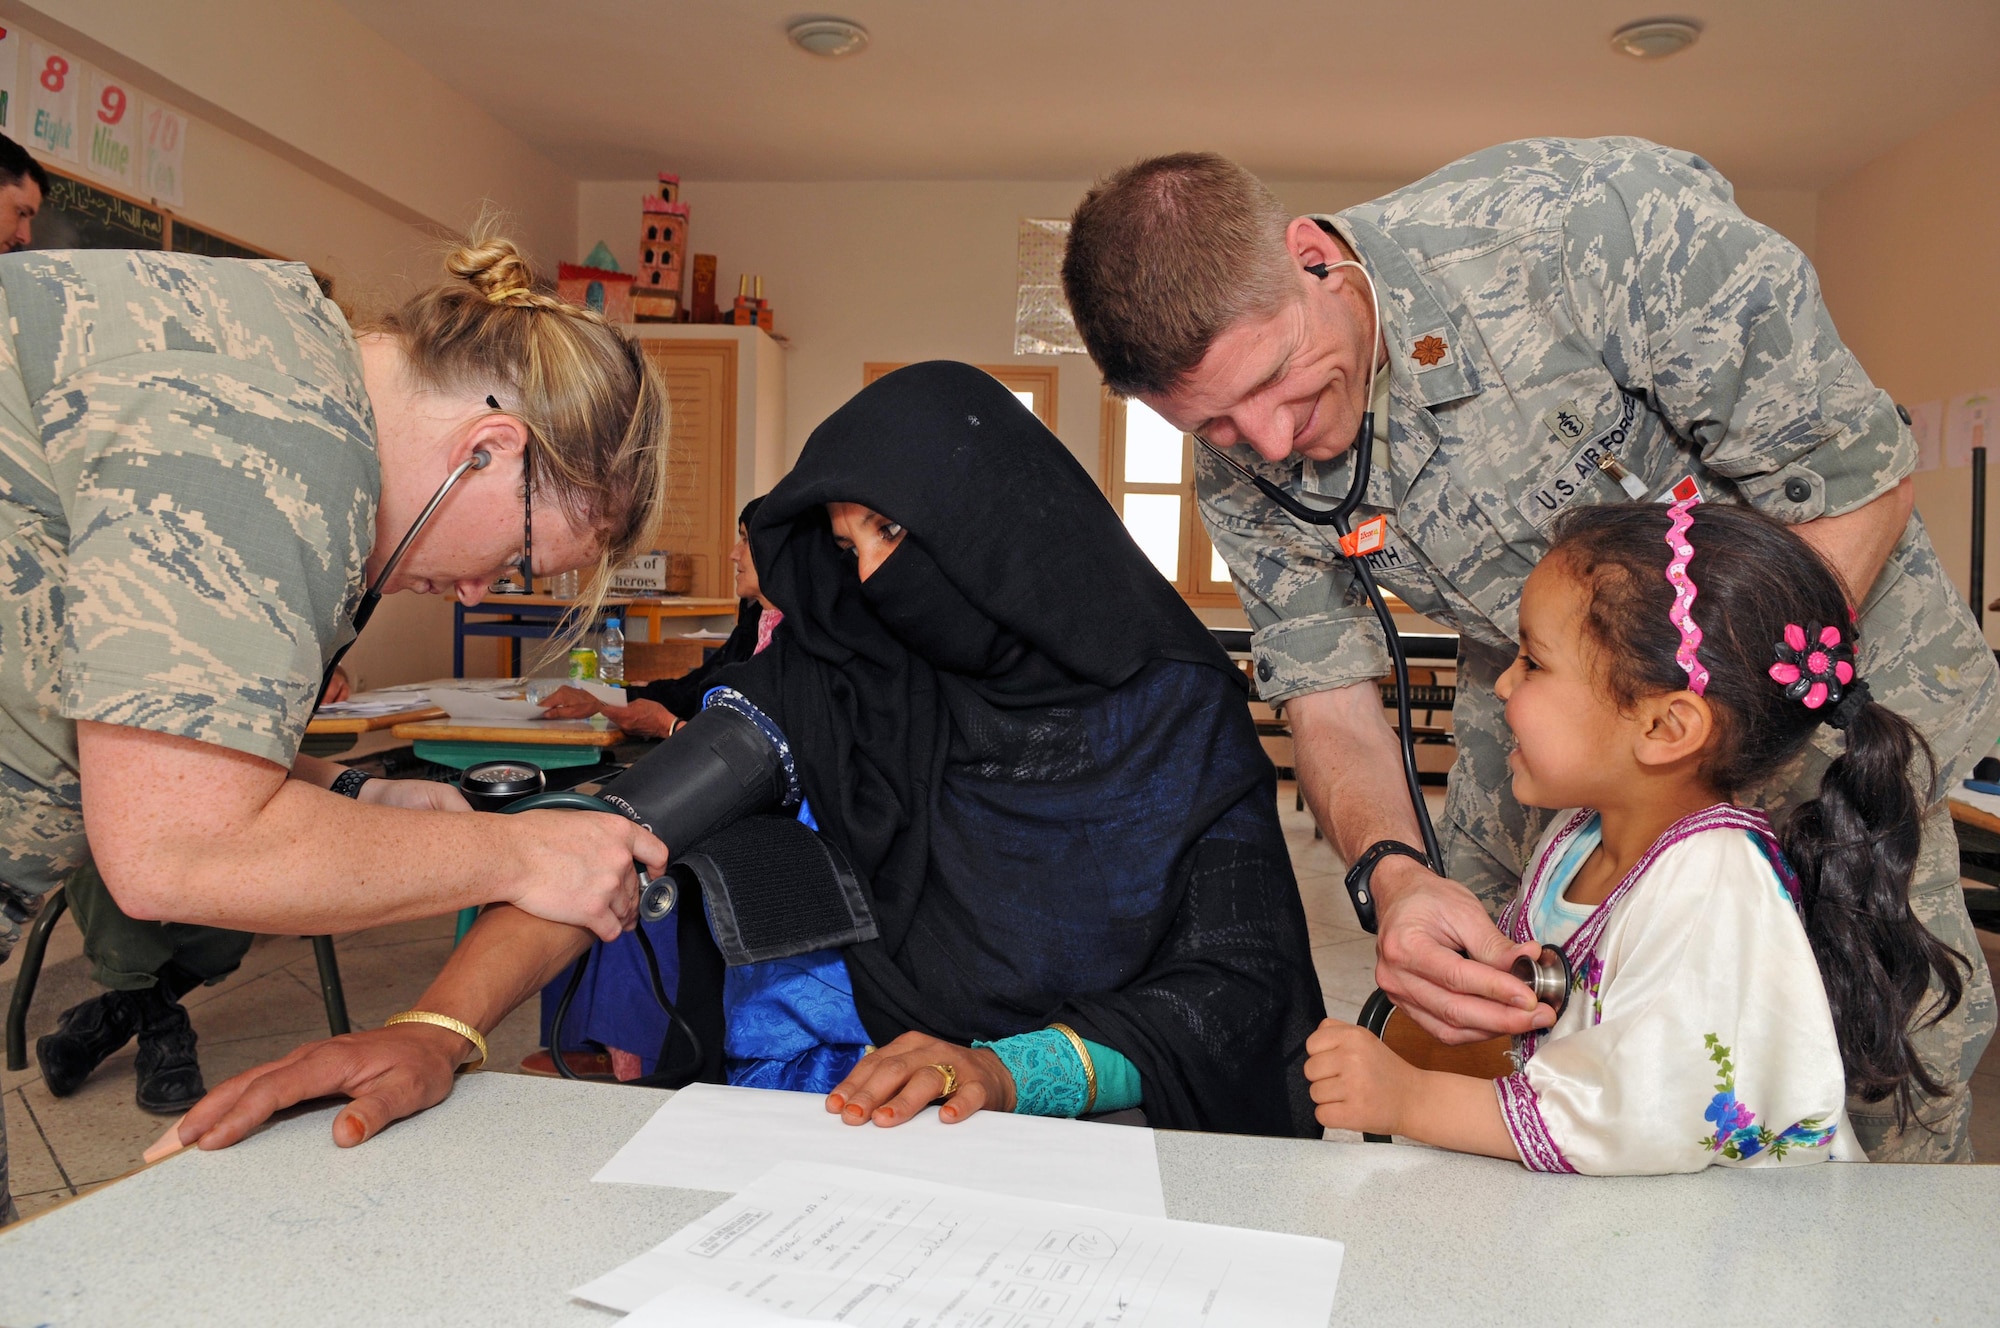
[1520, 1107]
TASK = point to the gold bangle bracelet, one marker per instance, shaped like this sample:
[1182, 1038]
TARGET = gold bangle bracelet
[1089, 1070]
[445, 1021]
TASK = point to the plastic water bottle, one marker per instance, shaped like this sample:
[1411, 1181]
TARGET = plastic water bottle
[611, 653]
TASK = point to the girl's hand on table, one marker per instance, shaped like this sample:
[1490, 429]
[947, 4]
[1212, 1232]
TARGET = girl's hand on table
[892, 1084]
[641, 719]
[1356, 1082]
[570, 703]
[389, 1073]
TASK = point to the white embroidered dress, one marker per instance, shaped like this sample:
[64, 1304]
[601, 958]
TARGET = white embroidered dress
[1697, 1031]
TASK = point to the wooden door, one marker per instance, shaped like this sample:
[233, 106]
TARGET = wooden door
[701, 484]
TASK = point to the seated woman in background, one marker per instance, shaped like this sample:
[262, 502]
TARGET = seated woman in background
[1040, 766]
[655, 709]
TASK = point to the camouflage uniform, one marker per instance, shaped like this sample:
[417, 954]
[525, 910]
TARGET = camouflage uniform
[1545, 303]
[187, 493]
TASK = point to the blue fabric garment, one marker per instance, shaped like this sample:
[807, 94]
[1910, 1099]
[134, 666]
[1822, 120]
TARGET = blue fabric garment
[790, 1023]
[1049, 1078]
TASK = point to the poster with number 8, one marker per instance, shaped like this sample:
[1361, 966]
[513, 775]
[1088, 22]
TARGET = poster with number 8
[166, 152]
[111, 123]
[50, 120]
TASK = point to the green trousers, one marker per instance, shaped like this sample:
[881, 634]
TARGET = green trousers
[127, 954]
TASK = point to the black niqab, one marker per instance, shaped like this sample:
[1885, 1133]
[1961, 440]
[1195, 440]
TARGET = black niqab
[1014, 609]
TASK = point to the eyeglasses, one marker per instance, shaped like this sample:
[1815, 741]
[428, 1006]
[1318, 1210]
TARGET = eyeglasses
[527, 563]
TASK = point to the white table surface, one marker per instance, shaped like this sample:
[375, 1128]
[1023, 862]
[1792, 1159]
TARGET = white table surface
[482, 1211]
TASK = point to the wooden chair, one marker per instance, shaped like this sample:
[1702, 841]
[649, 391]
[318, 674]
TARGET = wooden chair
[1407, 1038]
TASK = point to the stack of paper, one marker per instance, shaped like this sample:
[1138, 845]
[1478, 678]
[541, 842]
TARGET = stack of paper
[823, 1243]
[1049, 1224]
[365, 705]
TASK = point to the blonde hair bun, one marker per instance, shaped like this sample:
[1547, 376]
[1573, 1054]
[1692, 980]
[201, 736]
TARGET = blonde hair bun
[495, 267]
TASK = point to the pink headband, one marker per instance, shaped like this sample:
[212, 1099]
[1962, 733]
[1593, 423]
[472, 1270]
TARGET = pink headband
[1682, 614]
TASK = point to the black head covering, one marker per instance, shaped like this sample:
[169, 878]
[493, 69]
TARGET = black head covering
[1015, 603]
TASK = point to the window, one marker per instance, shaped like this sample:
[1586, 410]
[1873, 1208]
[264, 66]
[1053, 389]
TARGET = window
[1149, 474]
[1034, 384]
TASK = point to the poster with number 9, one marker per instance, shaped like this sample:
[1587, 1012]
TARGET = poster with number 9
[49, 117]
[166, 153]
[111, 122]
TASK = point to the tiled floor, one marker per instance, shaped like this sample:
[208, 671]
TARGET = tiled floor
[72, 1145]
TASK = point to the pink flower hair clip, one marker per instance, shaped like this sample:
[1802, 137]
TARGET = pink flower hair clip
[1815, 665]
[1682, 613]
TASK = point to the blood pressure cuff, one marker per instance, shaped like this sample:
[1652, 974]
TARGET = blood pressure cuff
[716, 769]
[773, 888]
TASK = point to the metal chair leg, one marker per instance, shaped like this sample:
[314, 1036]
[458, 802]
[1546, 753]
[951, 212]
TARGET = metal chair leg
[329, 984]
[30, 973]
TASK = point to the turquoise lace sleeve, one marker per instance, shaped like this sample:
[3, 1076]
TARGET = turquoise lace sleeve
[1049, 1079]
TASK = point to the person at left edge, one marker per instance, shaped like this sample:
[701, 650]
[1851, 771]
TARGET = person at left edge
[200, 468]
[23, 186]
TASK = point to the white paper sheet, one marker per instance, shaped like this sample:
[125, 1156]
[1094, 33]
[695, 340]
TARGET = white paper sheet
[877, 1251]
[364, 704]
[712, 1137]
[487, 703]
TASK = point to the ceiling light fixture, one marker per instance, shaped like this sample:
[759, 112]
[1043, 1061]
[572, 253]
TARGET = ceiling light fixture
[1656, 38]
[829, 37]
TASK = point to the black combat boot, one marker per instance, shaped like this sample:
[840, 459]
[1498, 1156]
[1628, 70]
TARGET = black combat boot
[85, 1035]
[169, 1075]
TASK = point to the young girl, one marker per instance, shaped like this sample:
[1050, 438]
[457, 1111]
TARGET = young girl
[1730, 986]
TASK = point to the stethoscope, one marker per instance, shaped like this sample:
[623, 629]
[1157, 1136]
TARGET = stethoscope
[479, 460]
[1362, 452]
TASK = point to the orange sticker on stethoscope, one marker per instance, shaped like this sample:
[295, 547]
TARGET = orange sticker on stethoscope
[1368, 537]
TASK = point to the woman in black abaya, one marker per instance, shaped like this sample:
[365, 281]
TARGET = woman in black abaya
[1044, 770]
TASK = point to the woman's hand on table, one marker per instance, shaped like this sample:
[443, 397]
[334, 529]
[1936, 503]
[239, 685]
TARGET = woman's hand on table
[389, 1073]
[1356, 1082]
[892, 1084]
[570, 703]
[643, 719]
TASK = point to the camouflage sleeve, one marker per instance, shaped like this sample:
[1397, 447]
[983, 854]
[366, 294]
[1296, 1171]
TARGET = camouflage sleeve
[207, 421]
[1719, 321]
[1314, 628]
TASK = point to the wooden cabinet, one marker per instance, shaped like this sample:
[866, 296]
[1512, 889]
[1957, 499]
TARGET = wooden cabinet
[725, 386]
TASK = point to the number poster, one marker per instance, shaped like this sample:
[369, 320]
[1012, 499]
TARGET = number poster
[112, 118]
[10, 69]
[69, 109]
[50, 110]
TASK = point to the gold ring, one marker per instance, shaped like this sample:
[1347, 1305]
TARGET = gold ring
[950, 1074]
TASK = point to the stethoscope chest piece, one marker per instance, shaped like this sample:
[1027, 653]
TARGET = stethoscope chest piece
[1548, 975]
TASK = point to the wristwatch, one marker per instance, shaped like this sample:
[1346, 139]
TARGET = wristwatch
[348, 783]
[1363, 871]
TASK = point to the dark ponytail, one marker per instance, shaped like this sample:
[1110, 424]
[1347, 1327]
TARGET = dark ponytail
[1855, 849]
[1854, 846]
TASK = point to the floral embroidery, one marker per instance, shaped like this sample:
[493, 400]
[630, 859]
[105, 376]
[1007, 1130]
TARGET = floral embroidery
[1737, 1136]
[1589, 976]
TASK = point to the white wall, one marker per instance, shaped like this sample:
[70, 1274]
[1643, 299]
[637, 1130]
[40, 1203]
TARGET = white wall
[896, 270]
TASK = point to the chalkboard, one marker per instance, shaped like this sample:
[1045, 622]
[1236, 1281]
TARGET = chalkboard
[193, 240]
[78, 215]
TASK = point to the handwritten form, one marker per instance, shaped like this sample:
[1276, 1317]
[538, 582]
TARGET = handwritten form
[713, 1137]
[826, 1243]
